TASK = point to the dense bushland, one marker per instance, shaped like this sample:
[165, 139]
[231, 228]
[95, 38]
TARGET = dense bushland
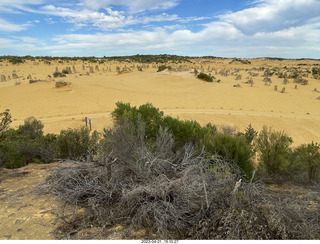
[176, 179]
[175, 192]
[277, 160]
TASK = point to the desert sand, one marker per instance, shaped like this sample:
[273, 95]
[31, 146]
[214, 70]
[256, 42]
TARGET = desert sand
[177, 92]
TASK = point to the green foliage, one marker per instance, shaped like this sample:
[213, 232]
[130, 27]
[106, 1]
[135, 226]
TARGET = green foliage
[205, 77]
[184, 131]
[32, 128]
[231, 147]
[5, 120]
[315, 71]
[77, 144]
[10, 157]
[26, 145]
[33, 81]
[65, 71]
[274, 151]
[163, 67]
[123, 112]
[58, 74]
[162, 58]
[307, 158]
[211, 128]
[250, 134]
[147, 113]
[16, 60]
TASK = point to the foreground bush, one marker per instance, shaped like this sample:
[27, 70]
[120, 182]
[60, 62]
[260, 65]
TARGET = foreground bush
[5, 120]
[26, 145]
[144, 183]
[274, 152]
[175, 194]
[77, 144]
[307, 158]
[233, 148]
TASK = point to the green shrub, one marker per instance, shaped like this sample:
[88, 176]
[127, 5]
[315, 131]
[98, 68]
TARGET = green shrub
[163, 67]
[10, 157]
[307, 158]
[250, 134]
[5, 120]
[32, 128]
[232, 147]
[315, 71]
[26, 145]
[77, 144]
[58, 74]
[16, 60]
[147, 112]
[274, 151]
[205, 77]
[184, 131]
[66, 71]
[123, 112]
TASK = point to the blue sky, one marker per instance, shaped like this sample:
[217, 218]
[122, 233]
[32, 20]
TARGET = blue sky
[228, 28]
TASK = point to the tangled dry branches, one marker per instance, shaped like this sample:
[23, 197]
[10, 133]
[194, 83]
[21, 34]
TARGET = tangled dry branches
[182, 194]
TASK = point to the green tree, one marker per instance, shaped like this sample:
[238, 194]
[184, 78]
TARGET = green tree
[273, 148]
[307, 158]
[250, 134]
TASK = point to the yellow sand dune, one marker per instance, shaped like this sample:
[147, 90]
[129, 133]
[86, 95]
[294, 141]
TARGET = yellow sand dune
[180, 94]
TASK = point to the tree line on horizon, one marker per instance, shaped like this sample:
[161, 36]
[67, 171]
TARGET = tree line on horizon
[141, 58]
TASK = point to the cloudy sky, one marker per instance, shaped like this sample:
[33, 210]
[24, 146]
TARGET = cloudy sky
[224, 28]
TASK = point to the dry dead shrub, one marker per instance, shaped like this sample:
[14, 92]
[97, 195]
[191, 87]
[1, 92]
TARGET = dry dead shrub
[62, 84]
[175, 194]
[142, 184]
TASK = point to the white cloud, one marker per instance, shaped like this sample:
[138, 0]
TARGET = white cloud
[6, 26]
[273, 15]
[103, 21]
[14, 6]
[134, 6]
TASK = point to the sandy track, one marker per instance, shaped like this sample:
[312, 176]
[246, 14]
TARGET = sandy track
[176, 112]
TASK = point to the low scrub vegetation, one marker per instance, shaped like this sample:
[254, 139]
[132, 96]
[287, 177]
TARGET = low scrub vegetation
[176, 179]
[163, 67]
[205, 77]
[58, 74]
[62, 84]
[25, 145]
